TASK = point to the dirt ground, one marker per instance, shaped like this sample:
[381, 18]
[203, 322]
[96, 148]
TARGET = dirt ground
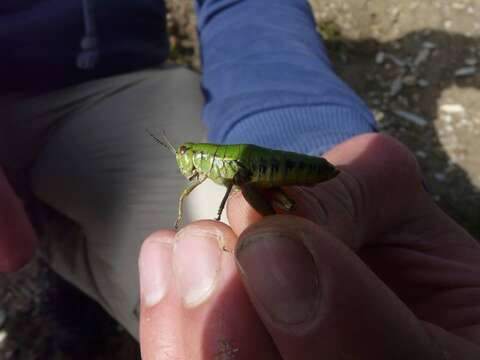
[417, 65]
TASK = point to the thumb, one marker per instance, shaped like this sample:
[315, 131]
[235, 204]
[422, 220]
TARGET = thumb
[316, 297]
[17, 238]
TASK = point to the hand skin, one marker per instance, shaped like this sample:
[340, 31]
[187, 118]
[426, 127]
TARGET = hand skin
[367, 267]
[17, 238]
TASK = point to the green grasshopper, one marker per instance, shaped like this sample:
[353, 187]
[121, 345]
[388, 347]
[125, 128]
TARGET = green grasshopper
[249, 167]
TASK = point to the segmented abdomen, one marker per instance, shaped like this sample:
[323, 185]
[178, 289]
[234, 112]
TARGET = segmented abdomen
[271, 168]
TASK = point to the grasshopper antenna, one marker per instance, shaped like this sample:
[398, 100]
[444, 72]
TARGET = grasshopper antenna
[166, 145]
[172, 148]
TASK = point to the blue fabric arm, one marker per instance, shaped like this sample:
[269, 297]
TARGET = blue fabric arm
[267, 78]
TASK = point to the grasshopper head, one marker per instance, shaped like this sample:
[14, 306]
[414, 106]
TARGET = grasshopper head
[184, 156]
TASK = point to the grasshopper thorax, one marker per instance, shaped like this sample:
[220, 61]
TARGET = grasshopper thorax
[184, 156]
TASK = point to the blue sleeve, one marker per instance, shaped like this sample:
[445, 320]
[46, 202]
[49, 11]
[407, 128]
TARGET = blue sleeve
[267, 79]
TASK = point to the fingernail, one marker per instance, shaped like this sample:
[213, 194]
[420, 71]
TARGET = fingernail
[196, 263]
[280, 273]
[155, 269]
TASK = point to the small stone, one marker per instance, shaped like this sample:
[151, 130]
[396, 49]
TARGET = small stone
[396, 86]
[440, 177]
[422, 56]
[380, 58]
[471, 61]
[466, 71]
[397, 61]
[413, 118]
[421, 154]
[429, 45]
[379, 115]
[452, 108]
[423, 83]
[410, 80]
[3, 337]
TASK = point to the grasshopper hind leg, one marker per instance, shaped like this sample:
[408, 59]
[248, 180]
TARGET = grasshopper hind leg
[264, 201]
[281, 200]
[257, 199]
[224, 201]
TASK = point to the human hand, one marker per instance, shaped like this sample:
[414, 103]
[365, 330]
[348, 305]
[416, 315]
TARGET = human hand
[370, 268]
[17, 238]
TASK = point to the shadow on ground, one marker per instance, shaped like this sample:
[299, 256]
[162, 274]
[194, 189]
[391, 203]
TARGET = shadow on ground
[372, 76]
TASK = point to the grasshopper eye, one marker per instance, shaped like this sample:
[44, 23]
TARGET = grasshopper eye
[182, 150]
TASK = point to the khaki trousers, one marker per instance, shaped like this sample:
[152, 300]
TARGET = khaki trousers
[104, 183]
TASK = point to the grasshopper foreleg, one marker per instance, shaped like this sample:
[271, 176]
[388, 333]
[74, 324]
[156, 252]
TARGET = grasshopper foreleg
[194, 176]
[184, 194]
[224, 201]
